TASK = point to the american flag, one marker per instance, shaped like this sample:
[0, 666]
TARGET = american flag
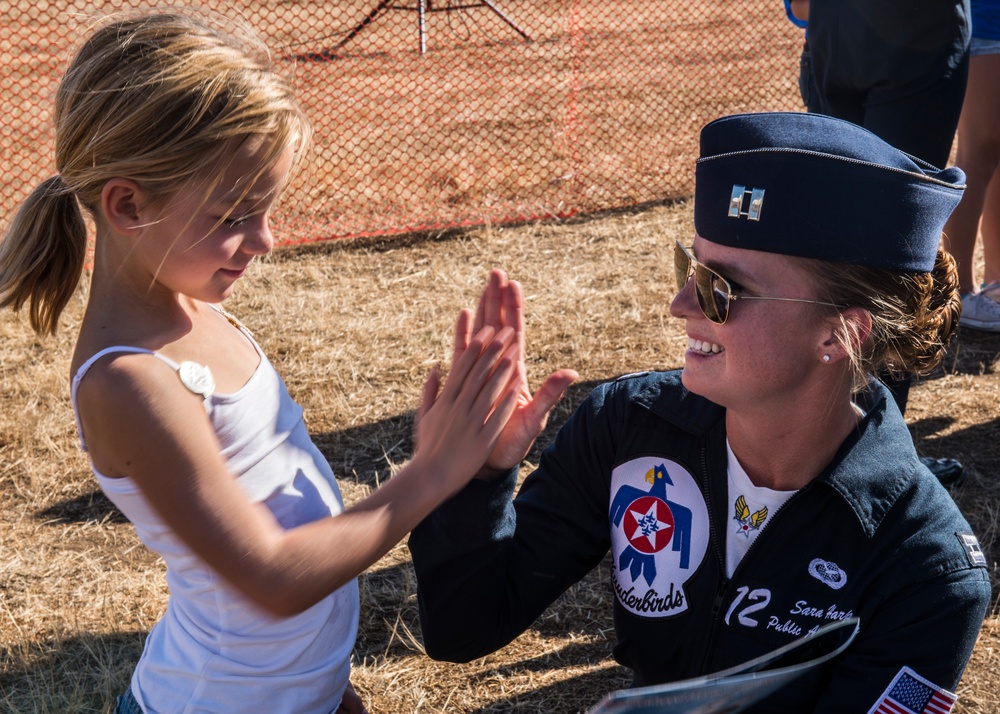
[909, 693]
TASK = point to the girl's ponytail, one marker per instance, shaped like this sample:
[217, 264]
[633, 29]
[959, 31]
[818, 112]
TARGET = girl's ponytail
[42, 254]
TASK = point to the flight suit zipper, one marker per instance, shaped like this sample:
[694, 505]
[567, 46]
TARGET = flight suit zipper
[722, 594]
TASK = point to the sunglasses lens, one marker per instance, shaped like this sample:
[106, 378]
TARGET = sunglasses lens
[711, 289]
[712, 295]
[682, 266]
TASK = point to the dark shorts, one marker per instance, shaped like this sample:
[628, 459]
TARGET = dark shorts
[896, 67]
[127, 704]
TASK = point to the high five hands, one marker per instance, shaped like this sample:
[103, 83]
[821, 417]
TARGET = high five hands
[501, 305]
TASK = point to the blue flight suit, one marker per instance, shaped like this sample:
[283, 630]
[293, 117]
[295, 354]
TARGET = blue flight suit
[641, 469]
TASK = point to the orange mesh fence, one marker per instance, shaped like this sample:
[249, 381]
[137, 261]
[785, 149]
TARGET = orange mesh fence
[432, 114]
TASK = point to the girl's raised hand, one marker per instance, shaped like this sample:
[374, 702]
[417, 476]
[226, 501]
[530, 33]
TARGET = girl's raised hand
[457, 430]
[501, 306]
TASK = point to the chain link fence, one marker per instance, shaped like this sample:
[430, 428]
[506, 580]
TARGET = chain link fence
[432, 114]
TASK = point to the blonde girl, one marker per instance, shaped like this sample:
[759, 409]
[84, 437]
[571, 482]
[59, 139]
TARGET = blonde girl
[176, 136]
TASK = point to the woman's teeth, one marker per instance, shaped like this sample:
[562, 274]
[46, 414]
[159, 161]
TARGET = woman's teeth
[703, 347]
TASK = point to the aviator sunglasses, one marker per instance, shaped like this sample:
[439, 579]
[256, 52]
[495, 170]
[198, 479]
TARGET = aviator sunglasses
[715, 294]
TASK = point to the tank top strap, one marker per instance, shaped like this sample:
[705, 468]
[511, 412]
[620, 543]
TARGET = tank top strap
[85, 367]
[238, 324]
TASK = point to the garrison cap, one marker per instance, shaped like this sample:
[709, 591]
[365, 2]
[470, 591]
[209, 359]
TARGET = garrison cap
[814, 186]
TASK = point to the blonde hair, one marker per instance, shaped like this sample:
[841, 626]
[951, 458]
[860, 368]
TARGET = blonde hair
[914, 315]
[160, 99]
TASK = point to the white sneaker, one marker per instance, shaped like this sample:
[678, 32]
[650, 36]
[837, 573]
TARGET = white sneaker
[980, 313]
[991, 290]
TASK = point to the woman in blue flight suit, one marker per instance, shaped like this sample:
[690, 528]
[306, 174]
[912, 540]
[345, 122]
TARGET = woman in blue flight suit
[770, 486]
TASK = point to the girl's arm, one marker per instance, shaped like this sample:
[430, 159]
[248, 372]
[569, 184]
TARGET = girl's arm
[142, 423]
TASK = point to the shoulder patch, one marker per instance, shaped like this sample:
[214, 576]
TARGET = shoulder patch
[972, 549]
[659, 535]
[909, 693]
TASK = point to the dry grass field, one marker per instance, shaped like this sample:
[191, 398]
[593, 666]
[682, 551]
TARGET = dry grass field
[354, 326]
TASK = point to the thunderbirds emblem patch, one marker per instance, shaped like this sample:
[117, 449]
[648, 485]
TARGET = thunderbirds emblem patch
[659, 535]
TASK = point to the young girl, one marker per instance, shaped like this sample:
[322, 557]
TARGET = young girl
[177, 138]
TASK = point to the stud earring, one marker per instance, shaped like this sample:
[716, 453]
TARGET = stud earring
[826, 358]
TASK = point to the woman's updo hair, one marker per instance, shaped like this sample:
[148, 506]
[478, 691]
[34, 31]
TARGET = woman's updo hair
[160, 99]
[914, 315]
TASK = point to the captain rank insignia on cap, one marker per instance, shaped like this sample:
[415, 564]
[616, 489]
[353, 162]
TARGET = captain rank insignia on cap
[835, 191]
[736, 202]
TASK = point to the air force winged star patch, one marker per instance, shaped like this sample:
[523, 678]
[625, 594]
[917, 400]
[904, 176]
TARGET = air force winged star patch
[747, 521]
[659, 535]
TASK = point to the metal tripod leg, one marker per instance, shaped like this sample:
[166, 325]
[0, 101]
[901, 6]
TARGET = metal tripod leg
[502, 16]
[422, 24]
[423, 7]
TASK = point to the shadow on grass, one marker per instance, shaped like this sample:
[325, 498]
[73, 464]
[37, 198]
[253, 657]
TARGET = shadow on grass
[388, 242]
[971, 352]
[365, 453]
[77, 674]
[92, 507]
[977, 446]
[564, 697]
[978, 496]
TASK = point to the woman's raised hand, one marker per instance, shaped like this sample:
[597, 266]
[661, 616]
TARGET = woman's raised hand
[501, 306]
[458, 428]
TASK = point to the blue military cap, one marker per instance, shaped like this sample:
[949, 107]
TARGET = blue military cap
[817, 187]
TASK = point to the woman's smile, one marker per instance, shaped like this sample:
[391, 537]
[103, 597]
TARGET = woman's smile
[704, 347]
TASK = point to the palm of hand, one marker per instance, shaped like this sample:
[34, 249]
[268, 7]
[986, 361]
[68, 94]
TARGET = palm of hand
[531, 414]
[517, 436]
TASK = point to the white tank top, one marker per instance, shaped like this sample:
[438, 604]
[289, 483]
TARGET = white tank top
[214, 650]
